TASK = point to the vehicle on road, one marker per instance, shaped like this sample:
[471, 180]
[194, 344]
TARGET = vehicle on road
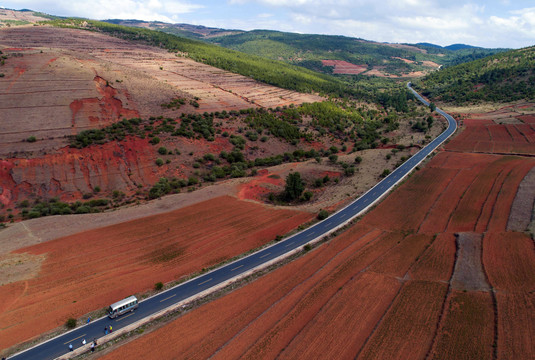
[122, 307]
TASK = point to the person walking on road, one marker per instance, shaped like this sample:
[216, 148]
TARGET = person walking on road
[110, 329]
[105, 330]
[92, 347]
[84, 342]
[70, 347]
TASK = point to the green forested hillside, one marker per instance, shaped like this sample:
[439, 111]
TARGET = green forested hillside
[503, 77]
[308, 50]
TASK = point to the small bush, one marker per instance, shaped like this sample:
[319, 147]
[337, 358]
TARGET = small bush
[307, 195]
[323, 214]
[31, 139]
[155, 140]
[159, 161]
[307, 247]
[385, 173]
[162, 151]
[333, 158]
[158, 286]
[71, 323]
[96, 189]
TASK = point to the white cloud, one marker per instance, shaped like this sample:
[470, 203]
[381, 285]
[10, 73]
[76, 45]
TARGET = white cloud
[500, 23]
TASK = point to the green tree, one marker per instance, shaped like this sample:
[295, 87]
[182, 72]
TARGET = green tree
[294, 186]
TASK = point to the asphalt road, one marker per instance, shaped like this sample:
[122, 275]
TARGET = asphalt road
[59, 345]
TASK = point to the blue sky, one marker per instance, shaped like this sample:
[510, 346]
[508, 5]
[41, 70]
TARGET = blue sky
[499, 23]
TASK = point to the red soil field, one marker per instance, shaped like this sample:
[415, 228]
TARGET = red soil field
[397, 261]
[509, 258]
[467, 327]
[425, 187]
[404, 332]
[488, 137]
[344, 67]
[131, 257]
[469, 209]
[530, 119]
[436, 263]
[342, 312]
[499, 218]
[516, 325]
[527, 130]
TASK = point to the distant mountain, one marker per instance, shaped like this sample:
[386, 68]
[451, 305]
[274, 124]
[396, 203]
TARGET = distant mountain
[453, 47]
[504, 77]
[185, 30]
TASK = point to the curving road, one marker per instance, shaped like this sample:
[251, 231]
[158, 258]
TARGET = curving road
[58, 346]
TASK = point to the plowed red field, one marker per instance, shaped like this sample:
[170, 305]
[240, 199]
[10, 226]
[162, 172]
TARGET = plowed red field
[467, 329]
[486, 136]
[89, 270]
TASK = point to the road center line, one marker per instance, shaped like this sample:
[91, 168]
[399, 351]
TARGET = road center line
[70, 341]
[288, 244]
[167, 298]
[124, 317]
[263, 256]
[204, 282]
[237, 267]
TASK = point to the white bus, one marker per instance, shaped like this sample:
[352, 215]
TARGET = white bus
[123, 306]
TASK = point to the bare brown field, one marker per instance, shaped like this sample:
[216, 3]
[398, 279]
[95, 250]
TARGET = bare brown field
[467, 327]
[344, 67]
[404, 333]
[504, 131]
[89, 270]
